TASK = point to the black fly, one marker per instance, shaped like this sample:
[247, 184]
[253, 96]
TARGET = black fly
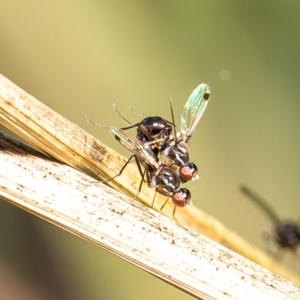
[285, 233]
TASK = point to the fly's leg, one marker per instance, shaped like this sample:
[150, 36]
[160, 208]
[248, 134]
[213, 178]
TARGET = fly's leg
[174, 211]
[153, 199]
[122, 169]
[142, 173]
[162, 207]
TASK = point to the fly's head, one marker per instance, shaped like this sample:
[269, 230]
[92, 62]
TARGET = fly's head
[182, 197]
[188, 172]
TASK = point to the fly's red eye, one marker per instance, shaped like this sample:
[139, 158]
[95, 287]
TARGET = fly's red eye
[182, 197]
[188, 172]
[185, 173]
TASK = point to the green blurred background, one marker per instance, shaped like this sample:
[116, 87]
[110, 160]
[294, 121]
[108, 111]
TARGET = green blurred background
[80, 57]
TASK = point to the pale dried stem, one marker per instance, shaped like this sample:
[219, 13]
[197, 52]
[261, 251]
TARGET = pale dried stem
[126, 228]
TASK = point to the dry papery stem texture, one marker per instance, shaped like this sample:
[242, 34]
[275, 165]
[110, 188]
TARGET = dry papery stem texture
[53, 134]
[181, 257]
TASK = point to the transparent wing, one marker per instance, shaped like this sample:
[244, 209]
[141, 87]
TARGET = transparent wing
[193, 110]
[142, 150]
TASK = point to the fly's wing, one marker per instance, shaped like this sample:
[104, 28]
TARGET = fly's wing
[193, 110]
[142, 150]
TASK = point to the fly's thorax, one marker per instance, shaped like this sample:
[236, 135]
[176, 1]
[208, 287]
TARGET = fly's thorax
[164, 177]
[178, 152]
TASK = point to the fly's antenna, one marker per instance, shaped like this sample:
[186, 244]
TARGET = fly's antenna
[261, 203]
[120, 115]
[135, 112]
[95, 123]
[173, 120]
